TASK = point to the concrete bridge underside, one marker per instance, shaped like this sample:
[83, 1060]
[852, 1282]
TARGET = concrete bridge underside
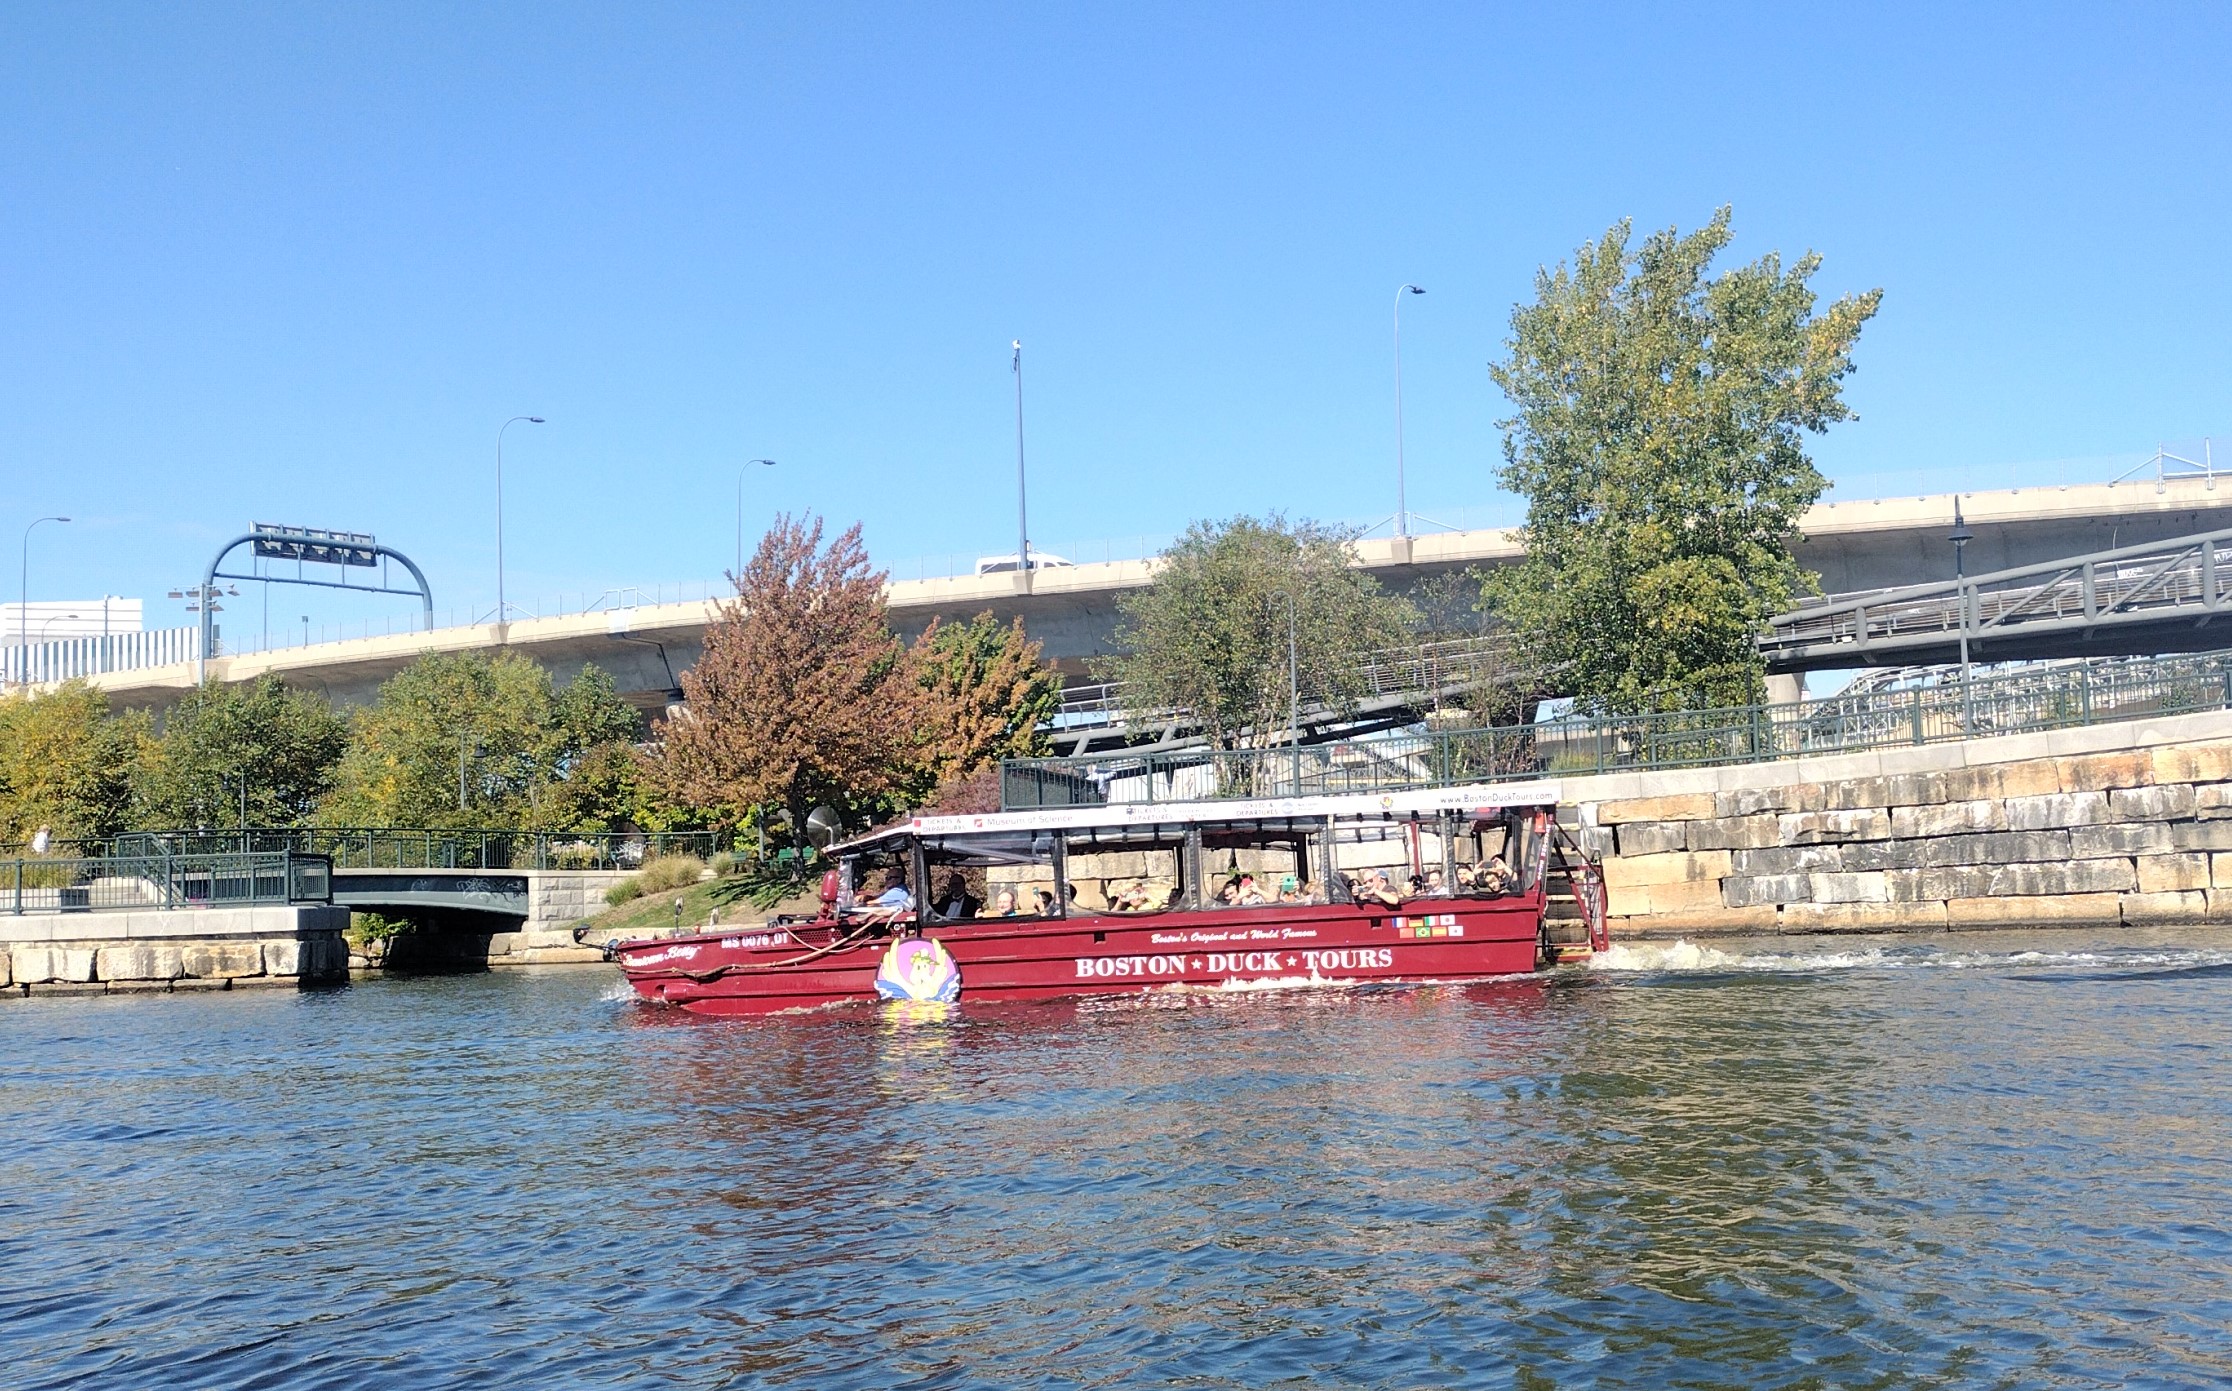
[1853, 546]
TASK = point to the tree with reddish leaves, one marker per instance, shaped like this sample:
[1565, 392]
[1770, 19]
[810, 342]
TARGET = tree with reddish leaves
[803, 697]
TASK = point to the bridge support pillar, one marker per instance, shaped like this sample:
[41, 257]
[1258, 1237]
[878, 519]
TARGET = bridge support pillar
[1785, 687]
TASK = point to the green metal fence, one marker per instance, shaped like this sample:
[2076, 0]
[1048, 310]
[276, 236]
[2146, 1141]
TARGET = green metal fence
[116, 883]
[2055, 697]
[363, 847]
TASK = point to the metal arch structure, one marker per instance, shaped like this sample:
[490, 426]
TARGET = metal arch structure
[214, 573]
[2146, 600]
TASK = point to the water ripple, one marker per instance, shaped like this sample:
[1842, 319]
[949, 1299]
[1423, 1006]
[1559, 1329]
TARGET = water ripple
[1788, 1164]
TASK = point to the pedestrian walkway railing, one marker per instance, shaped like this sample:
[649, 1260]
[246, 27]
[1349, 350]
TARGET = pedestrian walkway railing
[365, 847]
[2051, 697]
[119, 883]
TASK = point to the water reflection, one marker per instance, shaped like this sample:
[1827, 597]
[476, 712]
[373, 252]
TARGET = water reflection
[1860, 1164]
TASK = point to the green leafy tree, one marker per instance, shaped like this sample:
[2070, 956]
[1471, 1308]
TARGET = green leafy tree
[468, 741]
[66, 764]
[264, 747]
[1658, 440]
[988, 694]
[1209, 635]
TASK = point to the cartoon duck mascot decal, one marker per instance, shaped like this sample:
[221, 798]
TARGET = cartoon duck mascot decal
[919, 968]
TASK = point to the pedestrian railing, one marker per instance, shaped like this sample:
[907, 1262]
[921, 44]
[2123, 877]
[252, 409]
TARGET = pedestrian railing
[117, 883]
[387, 847]
[2051, 697]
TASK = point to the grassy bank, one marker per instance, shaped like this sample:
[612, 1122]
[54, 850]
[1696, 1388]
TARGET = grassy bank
[653, 914]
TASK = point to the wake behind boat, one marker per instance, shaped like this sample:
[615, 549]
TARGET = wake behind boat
[1445, 884]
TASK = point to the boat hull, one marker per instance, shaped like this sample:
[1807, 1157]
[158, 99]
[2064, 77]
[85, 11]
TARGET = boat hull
[807, 965]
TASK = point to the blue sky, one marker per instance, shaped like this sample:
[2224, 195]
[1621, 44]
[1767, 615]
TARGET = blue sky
[297, 263]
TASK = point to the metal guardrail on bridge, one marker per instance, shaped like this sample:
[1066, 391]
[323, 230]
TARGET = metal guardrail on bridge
[364, 847]
[2078, 693]
[2161, 595]
[116, 883]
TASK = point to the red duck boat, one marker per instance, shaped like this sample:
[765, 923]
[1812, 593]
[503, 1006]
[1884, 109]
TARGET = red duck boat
[1445, 884]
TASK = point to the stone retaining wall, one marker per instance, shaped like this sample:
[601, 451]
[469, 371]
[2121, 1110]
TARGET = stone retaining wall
[2113, 825]
[208, 949]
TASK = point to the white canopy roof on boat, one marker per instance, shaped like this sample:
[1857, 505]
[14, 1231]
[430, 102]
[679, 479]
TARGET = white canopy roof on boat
[1425, 801]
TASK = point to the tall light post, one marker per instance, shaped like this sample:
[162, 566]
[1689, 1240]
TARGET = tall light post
[740, 510]
[1402, 503]
[23, 600]
[1960, 538]
[1022, 512]
[1294, 688]
[531, 420]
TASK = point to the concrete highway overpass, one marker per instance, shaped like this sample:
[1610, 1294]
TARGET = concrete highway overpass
[1854, 546]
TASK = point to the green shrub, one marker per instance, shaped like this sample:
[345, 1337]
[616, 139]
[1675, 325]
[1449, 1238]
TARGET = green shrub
[670, 872]
[625, 891]
[724, 864]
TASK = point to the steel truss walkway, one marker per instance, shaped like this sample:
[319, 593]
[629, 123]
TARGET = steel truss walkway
[1397, 687]
[2150, 599]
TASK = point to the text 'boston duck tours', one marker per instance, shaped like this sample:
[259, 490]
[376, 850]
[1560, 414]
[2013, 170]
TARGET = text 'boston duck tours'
[1442, 884]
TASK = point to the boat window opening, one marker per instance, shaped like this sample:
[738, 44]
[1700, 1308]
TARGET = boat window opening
[1129, 870]
[1487, 857]
[1258, 864]
[1371, 860]
[1009, 874]
[865, 877]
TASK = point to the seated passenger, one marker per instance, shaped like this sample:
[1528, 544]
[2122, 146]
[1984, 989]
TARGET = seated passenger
[1493, 877]
[1435, 884]
[1044, 902]
[1374, 890]
[1229, 895]
[1251, 893]
[1289, 890]
[1003, 904]
[956, 902]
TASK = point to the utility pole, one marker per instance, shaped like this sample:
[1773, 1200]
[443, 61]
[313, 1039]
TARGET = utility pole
[1294, 689]
[1402, 503]
[1960, 538]
[1022, 511]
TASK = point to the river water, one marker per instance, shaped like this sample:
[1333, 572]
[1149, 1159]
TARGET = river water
[1975, 1161]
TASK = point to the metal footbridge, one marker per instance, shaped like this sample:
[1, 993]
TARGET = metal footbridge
[2159, 598]
[1396, 687]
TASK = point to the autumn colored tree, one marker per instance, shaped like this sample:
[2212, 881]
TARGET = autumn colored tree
[804, 696]
[988, 692]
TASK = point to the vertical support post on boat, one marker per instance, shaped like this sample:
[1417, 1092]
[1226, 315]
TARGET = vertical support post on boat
[1189, 871]
[1061, 875]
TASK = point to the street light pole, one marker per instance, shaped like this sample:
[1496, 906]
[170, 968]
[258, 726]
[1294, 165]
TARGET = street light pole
[1402, 504]
[739, 575]
[1294, 697]
[1022, 511]
[531, 420]
[1960, 538]
[23, 601]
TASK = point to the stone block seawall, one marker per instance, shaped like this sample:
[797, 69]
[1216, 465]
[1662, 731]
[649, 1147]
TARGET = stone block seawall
[2126, 824]
[206, 949]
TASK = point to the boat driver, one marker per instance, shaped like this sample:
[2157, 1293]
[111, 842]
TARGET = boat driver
[893, 902]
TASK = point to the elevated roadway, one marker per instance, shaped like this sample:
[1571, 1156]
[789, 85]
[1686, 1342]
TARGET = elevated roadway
[1862, 545]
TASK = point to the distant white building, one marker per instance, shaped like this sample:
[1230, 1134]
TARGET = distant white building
[52, 620]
